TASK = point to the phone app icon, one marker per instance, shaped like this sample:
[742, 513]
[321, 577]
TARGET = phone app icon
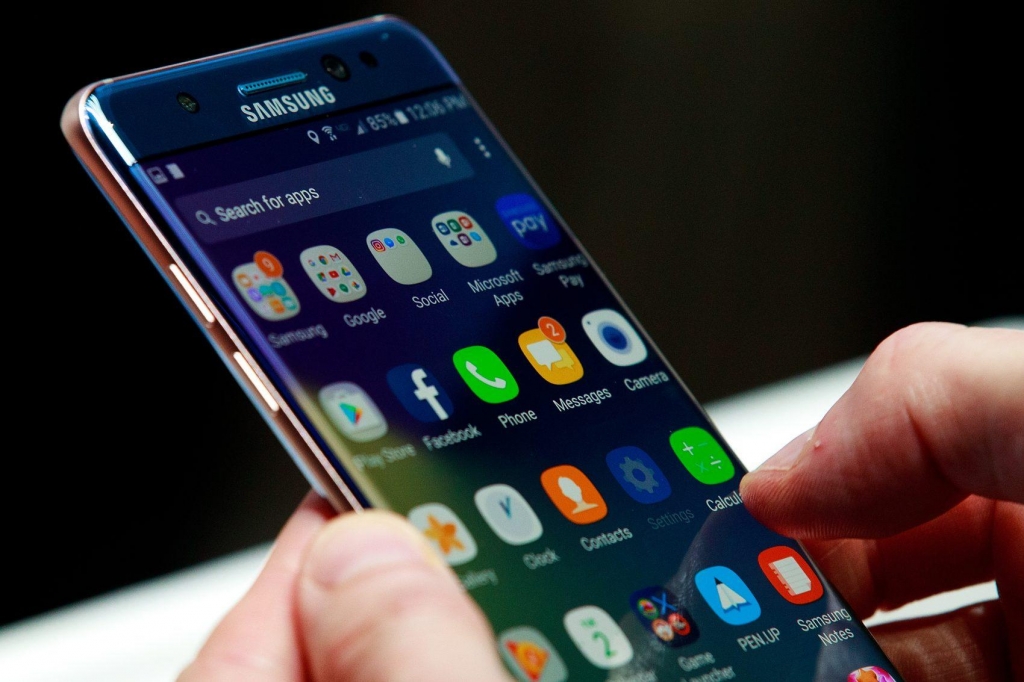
[445, 532]
[528, 221]
[790, 574]
[261, 283]
[614, 337]
[530, 656]
[598, 637]
[398, 255]
[702, 456]
[660, 612]
[638, 474]
[508, 514]
[333, 273]
[555, 362]
[574, 495]
[727, 595]
[870, 673]
[352, 412]
[464, 239]
[420, 393]
[485, 374]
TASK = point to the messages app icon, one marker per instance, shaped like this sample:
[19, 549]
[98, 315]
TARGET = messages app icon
[555, 362]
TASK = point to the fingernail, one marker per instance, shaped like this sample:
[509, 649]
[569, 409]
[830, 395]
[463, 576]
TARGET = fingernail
[786, 458]
[365, 542]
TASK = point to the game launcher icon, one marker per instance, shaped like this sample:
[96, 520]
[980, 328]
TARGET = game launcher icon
[660, 612]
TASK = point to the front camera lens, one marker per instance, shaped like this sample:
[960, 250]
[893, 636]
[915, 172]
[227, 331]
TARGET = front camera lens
[335, 67]
[188, 102]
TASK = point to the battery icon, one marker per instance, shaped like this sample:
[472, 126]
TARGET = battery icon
[402, 118]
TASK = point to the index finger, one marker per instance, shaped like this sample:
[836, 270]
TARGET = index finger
[936, 414]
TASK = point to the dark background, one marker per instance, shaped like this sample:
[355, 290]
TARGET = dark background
[773, 187]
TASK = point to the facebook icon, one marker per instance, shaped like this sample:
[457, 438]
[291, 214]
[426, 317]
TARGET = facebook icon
[420, 393]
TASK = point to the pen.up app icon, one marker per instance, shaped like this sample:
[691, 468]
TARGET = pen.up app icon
[528, 221]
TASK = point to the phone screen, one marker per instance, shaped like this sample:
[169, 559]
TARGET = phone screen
[424, 309]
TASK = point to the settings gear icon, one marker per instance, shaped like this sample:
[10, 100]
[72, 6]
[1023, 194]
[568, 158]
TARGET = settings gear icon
[638, 475]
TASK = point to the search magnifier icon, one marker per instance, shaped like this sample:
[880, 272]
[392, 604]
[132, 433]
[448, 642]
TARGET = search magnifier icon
[204, 218]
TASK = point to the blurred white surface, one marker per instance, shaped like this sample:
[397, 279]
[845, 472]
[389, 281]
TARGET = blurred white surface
[150, 631]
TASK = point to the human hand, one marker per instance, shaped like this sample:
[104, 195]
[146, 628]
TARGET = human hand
[912, 485]
[359, 598]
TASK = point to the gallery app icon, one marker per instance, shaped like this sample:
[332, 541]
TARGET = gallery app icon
[530, 656]
[420, 393]
[464, 239]
[574, 494]
[727, 595]
[261, 283]
[528, 221]
[598, 637]
[445, 532]
[614, 337]
[702, 456]
[554, 362]
[352, 412]
[508, 514]
[398, 255]
[661, 613]
[790, 574]
[485, 374]
[638, 474]
[333, 273]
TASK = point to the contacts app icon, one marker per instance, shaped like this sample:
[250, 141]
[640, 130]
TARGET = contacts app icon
[574, 494]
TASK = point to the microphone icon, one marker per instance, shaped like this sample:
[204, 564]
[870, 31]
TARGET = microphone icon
[442, 158]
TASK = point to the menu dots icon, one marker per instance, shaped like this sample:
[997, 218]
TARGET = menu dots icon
[482, 147]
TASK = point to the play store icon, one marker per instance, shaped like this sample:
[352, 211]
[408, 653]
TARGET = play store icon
[352, 412]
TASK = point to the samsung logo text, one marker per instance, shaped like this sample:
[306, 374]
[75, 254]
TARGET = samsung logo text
[292, 103]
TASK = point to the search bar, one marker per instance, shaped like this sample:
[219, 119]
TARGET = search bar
[323, 188]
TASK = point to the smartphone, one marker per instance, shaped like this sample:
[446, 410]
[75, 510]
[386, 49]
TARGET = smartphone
[424, 333]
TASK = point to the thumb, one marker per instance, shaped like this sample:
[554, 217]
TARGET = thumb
[376, 603]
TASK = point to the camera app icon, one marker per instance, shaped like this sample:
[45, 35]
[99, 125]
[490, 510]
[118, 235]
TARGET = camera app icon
[614, 337]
